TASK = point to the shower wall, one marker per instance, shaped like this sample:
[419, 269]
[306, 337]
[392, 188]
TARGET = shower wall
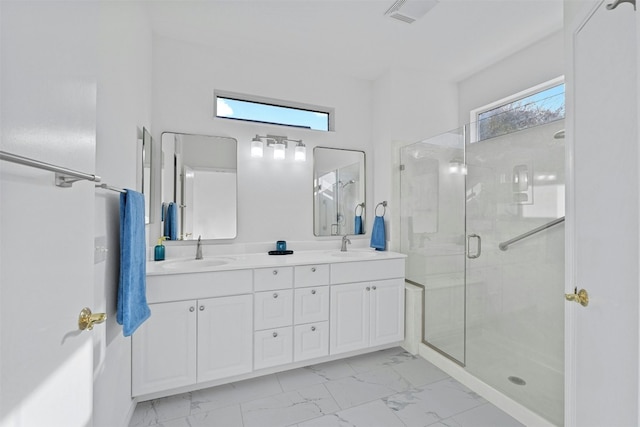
[499, 313]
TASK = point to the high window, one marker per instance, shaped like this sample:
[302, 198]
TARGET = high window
[536, 106]
[270, 111]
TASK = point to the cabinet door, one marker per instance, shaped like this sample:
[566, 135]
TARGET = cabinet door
[311, 305]
[273, 309]
[310, 341]
[273, 347]
[349, 318]
[387, 311]
[164, 348]
[225, 337]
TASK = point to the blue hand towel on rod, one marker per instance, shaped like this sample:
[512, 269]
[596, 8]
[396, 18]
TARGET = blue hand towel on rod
[132, 308]
[378, 235]
[358, 225]
[171, 222]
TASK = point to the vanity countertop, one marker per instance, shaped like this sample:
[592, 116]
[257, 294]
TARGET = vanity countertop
[263, 260]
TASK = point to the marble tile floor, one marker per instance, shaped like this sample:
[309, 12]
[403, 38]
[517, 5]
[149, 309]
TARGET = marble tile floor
[386, 388]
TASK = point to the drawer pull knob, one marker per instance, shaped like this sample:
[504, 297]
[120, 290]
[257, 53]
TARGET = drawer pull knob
[313, 269]
[192, 309]
[374, 288]
[313, 328]
[202, 308]
[275, 295]
[275, 334]
[275, 272]
[368, 288]
[313, 291]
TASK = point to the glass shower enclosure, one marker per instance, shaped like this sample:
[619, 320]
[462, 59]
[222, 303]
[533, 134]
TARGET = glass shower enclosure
[482, 225]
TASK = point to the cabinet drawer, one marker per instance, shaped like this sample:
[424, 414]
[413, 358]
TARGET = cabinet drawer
[273, 347]
[273, 309]
[267, 279]
[311, 275]
[364, 271]
[311, 305]
[310, 341]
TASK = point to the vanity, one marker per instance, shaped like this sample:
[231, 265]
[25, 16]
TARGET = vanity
[223, 319]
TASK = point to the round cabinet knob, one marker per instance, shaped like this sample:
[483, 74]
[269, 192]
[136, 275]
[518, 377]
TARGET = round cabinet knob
[368, 288]
[275, 272]
[202, 308]
[313, 291]
[275, 295]
[192, 309]
[313, 269]
[275, 334]
[373, 287]
[313, 328]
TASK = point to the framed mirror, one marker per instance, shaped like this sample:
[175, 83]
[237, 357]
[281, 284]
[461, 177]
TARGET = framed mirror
[199, 186]
[339, 190]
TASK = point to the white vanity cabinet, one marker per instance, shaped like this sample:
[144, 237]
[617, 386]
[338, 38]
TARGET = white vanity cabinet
[210, 327]
[195, 340]
[369, 312]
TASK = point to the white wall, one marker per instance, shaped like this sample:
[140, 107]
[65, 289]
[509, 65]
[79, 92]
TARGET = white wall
[123, 108]
[274, 198]
[408, 106]
[538, 63]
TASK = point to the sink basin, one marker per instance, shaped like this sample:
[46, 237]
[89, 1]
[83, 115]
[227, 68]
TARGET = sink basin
[354, 254]
[191, 264]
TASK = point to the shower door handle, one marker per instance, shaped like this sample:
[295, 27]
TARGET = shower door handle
[478, 251]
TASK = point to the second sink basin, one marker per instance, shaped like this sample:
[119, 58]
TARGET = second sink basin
[191, 264]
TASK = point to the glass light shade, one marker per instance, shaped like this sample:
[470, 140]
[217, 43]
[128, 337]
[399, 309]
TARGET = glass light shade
[300, 154]
[278, 151]
[257, 148]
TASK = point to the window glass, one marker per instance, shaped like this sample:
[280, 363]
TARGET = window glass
[261, 112]
[539, 108]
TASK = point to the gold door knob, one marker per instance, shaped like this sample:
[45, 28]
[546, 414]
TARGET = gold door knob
[581, 297]
[86, 320]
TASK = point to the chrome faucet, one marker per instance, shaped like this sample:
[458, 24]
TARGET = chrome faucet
[345, 240]
[199, 248]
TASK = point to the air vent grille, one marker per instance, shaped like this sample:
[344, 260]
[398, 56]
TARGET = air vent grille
[410, 10]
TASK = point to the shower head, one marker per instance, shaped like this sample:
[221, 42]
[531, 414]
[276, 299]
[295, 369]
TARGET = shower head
[342, 185]
[559, 134]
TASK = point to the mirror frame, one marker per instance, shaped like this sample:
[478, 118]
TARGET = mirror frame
[161, 190]
[364, 189]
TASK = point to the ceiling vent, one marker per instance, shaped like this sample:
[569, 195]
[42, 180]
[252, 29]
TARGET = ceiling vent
[410, 10]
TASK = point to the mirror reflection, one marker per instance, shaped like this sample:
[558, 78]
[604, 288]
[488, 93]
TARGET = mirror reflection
[339, 192]
[199, 186]
[144, 171]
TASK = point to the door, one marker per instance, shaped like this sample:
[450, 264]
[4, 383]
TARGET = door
[48, 109]
[602, 351]
[225, 337]
[387, 311]
[170, 332]
[349, 318]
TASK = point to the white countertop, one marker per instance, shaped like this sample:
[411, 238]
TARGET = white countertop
[263, 260]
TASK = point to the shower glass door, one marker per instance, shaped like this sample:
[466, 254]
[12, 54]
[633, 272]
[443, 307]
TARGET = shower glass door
[514, 292]
[432, 235]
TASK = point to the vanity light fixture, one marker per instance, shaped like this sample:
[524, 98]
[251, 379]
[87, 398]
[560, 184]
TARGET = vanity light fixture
[458, 167]
[280, 145]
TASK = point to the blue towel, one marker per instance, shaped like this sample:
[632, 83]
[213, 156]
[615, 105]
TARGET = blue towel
[132, 290]
[171, 222]
[378, 236]
[358, 225]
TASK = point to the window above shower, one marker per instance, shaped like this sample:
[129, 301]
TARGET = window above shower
[256, 109]
[541, 104]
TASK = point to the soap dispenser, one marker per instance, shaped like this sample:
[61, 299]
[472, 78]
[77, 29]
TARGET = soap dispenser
[158, 253]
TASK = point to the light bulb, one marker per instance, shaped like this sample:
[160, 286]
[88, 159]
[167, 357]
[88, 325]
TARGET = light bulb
[278, 151]
[257, 148]
[300, 154]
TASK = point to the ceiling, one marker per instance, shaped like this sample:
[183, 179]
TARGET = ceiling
[452, 41]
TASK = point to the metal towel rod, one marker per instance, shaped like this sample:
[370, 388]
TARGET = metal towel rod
[505, 245]
[64, 177]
